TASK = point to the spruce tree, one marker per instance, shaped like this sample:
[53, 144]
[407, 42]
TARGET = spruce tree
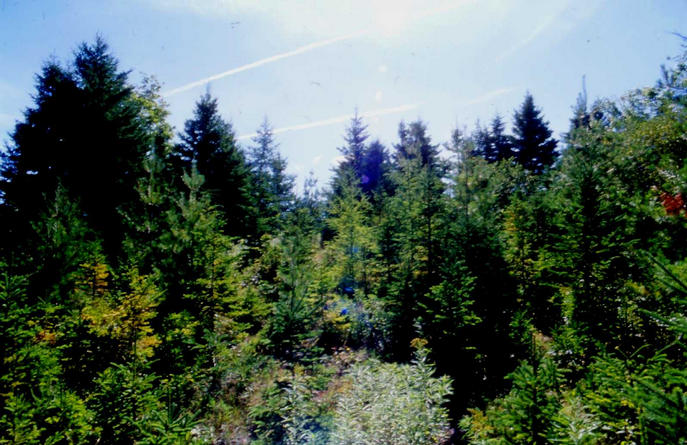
[492, 143]
[272, 187]
[375, 166]
[209, 146]
[501, 143]
[353, 153]
[86, 132]
[416, 143]
[535, 148]
[409, 231]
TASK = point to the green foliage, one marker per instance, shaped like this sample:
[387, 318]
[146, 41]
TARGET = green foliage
[124, 318]
[535, 149]
[181, 294]
[410, 229]
[123, 396]
[271, 187]
[292, 326]
[354, 247]
[168, 426]
[89, 102]
[573, 424]
[524, 415]
[209, 147]
[392, 403]
[37, 406]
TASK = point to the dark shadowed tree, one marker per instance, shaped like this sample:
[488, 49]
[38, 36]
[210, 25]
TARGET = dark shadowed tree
[353, 155]
[86, 132]
[209, 146]
[375, 165]
[535, 148]
[492, 143]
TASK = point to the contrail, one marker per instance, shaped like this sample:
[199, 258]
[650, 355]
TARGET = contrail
[265, 61]
[488, 96]
[337, 119]
[297, 51]
[378, 112]
[544, 25]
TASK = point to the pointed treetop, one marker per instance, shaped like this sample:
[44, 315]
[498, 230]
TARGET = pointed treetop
[416, 143]
[533, 145]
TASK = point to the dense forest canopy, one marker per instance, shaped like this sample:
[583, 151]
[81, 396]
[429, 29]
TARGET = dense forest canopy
[503, 287]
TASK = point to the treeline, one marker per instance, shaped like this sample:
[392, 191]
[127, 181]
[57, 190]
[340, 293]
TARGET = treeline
[502, 288]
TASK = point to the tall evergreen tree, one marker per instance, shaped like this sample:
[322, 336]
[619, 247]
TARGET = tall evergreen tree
[356, 135]
[375, 165]
[409, 232]
[353, 245]
[501, 143]
[209, 146]
[272, 187]
[416, 143]
[471, 308]
[535, 148]
[353, 153]
[492, 143]
[86, 131]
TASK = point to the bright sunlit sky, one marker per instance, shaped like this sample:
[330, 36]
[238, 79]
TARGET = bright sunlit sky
[307, 65]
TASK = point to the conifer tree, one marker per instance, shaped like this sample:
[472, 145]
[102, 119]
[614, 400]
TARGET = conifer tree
[470, 309]
[356, 135]
[492, 143]
[157, 186]
[353, 244]
[210, 148]
[532, 141]
[415, 143]
[375, 165]
[353, 153]
[272, 187]
[410, 228]
[85, 131]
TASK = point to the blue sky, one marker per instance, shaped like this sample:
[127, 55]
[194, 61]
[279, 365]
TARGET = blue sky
[307, 64]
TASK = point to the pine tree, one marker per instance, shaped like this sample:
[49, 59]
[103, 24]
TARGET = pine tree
[356, 135]
[502, 145]
[471, 308]
[536, 150]
[157, 186]
[596, 234]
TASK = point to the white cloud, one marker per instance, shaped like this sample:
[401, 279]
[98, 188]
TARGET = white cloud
[316, 160]
[382, 68]
[378, 96]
